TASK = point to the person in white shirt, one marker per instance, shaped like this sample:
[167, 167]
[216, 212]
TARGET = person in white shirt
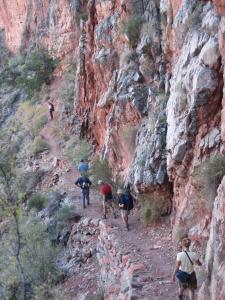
[184, 270]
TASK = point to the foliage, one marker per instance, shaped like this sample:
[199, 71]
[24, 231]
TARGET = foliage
[100, 170]
[64, 214]
[36, 71]
[67, 87]
[38, 256]
[82, 16]
[132, 28]
[151, 207]
[38, 202]
[39, 145]
[78, 150]
[32, 118]
[29, 72]
[209, 175]
[28, 181]
[11, 70]
[26, 256]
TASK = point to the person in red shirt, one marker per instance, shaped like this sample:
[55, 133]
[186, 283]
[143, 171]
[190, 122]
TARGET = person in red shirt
[107, 197]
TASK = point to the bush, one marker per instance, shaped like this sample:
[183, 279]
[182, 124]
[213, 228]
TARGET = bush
[38, 202]
[32, 118]
[209, 175]
[78, 150]
[27, 181]
[37, 257]
[39, 145]
[100, 170]
[36, 71]
[64, 215]
[152, 206]
[132, 28]
[82, 16]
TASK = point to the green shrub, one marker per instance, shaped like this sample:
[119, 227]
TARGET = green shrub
[32, 117]
[37, 257]
[100, 170]
[132, 28]
[77, 150]
[39, 122]
[38, 202]
[151, 207]
[82, 16]
[209, 175]
[64, 214]
[36, 71]
[39, 145]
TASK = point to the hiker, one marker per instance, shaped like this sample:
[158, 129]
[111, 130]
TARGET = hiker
[107, 197]
[184, 270]
[84, 183]
[83, 167]
[51, 109]
[126, 204]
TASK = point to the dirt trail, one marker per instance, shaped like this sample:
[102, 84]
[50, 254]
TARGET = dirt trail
[150, 245]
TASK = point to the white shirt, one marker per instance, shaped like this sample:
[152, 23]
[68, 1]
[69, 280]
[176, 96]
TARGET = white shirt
[186, 265]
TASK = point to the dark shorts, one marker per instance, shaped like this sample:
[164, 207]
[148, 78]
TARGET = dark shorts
[108, 197]
[192, 284]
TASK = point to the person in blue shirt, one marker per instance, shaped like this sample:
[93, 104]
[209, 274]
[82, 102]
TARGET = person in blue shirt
[83, 167]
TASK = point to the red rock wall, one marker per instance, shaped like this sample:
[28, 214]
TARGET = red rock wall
[41, 23]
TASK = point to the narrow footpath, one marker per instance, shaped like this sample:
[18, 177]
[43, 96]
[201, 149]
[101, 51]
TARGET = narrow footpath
[151, 246]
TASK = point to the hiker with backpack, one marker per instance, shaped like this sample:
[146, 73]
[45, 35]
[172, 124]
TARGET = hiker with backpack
[126, 204]
[107, 197]
[83, 167]
[184, 270]
[51, 109]
[84, 183]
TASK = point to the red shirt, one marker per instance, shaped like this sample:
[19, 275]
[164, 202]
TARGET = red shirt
[105, 189]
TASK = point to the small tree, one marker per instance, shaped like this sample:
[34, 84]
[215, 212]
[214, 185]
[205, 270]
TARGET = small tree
[132, 28]
[10, 204]
[37, 70]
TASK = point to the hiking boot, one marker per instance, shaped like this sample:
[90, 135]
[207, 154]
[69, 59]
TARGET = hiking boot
[84, 206]
[127, 227]
[180, 297]
[103, 216]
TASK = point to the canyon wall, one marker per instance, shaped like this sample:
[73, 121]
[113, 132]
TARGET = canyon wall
[149, 96]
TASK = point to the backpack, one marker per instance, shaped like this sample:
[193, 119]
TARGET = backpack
[128, 201]
[85, 183]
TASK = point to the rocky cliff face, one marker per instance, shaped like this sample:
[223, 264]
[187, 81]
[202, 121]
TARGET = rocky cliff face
[149, 96]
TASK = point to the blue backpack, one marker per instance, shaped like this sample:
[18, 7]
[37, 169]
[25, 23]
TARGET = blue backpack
[128, 200]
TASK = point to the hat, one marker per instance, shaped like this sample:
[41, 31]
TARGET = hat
[100, 182]
[119, 191]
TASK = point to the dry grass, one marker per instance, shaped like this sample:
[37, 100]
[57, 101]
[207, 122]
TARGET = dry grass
[209, 176]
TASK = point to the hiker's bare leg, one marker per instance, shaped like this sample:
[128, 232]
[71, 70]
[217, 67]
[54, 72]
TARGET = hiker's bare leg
[104, 208]
[181, 291]
[192, 294]
[123, 217]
